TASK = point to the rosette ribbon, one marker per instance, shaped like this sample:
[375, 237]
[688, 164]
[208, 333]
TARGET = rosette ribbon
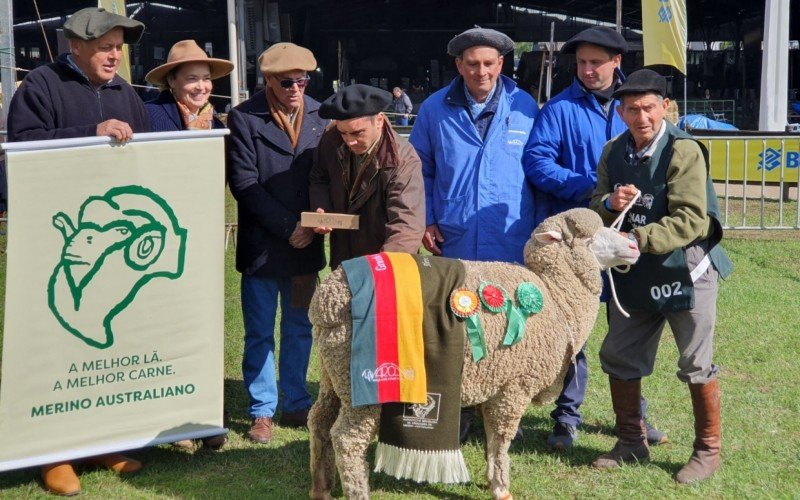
[530, 301]
[464, 304]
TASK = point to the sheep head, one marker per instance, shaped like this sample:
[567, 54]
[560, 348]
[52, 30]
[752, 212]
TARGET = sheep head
[577, 238]
[122, 240]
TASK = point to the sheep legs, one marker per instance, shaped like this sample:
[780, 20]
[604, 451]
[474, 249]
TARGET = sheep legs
[501, 423]
[352, 433]
[320, 420]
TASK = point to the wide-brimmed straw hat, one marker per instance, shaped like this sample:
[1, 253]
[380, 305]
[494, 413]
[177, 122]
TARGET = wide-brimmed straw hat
[187, 51]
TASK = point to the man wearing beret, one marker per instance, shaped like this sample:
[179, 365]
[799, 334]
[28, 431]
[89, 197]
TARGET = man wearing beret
[470, 137]
[561, 162]
[364, 168]
[674, 219]
[272, 142]
[81, 95]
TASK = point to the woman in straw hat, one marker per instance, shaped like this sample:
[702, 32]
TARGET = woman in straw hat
[185, 82]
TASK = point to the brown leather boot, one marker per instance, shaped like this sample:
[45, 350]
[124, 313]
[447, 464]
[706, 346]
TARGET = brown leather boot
[115, 462]
[261, 430]
[632, 443]
[704, 461]
[60, 479]
[215, 442]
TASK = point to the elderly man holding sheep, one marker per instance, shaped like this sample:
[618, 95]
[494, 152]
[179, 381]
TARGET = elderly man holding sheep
[658, 175]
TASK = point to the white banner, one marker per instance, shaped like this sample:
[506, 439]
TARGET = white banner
[114, 295]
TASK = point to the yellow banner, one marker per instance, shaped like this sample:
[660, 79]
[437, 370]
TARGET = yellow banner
[118, 7]
[664, 33]
[114, 296]
[754, 160]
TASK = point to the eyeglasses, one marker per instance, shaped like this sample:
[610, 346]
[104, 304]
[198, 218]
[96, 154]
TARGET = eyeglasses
[289, 82]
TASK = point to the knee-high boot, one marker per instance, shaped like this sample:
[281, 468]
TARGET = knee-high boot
[632, 443]
[704, 461]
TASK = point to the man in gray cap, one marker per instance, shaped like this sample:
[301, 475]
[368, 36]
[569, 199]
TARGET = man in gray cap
[364, 168]
[470, 138]
[561, 162]
[81, 95]
[663, 174]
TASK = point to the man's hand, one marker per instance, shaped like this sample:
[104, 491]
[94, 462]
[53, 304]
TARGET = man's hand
[301, 237]
[117, 129]
[321, 229]
[621, 196]
[431, 238]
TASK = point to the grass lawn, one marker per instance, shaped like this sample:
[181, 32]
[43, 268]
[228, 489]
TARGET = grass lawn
[757, 343]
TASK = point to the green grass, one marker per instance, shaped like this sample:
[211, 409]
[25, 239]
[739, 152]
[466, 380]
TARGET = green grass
[757, 344]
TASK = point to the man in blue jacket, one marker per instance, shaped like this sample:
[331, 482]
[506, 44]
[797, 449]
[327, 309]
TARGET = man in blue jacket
[470, 137]
[560, 160]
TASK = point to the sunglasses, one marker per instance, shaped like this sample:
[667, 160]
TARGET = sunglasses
[289, 82]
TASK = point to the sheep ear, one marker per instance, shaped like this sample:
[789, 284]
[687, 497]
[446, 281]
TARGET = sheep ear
[145, 249]
[548, 237]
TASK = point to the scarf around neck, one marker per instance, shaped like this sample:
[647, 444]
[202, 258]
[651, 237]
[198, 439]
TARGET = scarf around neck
[202, 120]
[282, 118]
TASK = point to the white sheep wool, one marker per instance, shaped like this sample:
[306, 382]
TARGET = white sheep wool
[114, 296]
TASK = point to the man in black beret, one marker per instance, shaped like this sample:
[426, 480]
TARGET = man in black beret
[470, 137]
[362, 167]
[659, 175]
[561, 162]
[81, 95]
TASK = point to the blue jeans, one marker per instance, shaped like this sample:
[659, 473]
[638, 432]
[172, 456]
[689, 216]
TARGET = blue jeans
[259, 307]
[574, 392]
[402, 120]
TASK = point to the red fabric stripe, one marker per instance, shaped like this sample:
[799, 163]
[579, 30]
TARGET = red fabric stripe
[386, 326]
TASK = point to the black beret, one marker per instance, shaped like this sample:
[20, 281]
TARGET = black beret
[479, 36]
[641, 82]
[94, 22]
[597, 35]
[354, 101]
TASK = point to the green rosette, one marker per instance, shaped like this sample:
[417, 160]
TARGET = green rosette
[530, 301]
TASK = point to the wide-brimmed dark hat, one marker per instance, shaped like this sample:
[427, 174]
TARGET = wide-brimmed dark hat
[597, 35]
[187, 51]
[94, 22]
[478, 36]
[355, 101]
[641, 82]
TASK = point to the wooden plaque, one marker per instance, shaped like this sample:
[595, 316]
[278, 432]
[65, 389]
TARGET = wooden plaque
[335, 221]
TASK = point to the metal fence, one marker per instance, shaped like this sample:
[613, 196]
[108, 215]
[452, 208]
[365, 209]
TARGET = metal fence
[756, 177]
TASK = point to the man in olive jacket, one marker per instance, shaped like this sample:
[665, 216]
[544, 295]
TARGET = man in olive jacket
[362, 167]
[675, 223]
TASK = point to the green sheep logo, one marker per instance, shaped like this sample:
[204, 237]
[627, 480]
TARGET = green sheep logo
[123, 239]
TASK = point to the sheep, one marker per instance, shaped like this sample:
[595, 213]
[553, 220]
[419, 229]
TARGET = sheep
[563, 258]
[123, 239]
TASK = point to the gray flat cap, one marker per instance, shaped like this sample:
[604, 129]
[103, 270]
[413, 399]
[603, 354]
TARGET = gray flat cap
[480, 36]
[642, 81]
[94, 22]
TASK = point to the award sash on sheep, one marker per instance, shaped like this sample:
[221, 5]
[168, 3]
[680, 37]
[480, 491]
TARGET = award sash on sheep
[418, 438]
[114, 296]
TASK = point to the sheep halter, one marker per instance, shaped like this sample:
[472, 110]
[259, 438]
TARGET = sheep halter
[616, 225]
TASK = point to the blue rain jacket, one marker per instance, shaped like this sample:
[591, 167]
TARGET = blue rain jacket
[475, 189]
[564, 147]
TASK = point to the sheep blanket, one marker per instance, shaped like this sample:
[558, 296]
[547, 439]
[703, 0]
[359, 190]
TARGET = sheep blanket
[407, 350]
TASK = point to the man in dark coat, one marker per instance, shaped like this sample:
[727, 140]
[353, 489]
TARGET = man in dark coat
[364, 168]
[80, 95]
[272, 142]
